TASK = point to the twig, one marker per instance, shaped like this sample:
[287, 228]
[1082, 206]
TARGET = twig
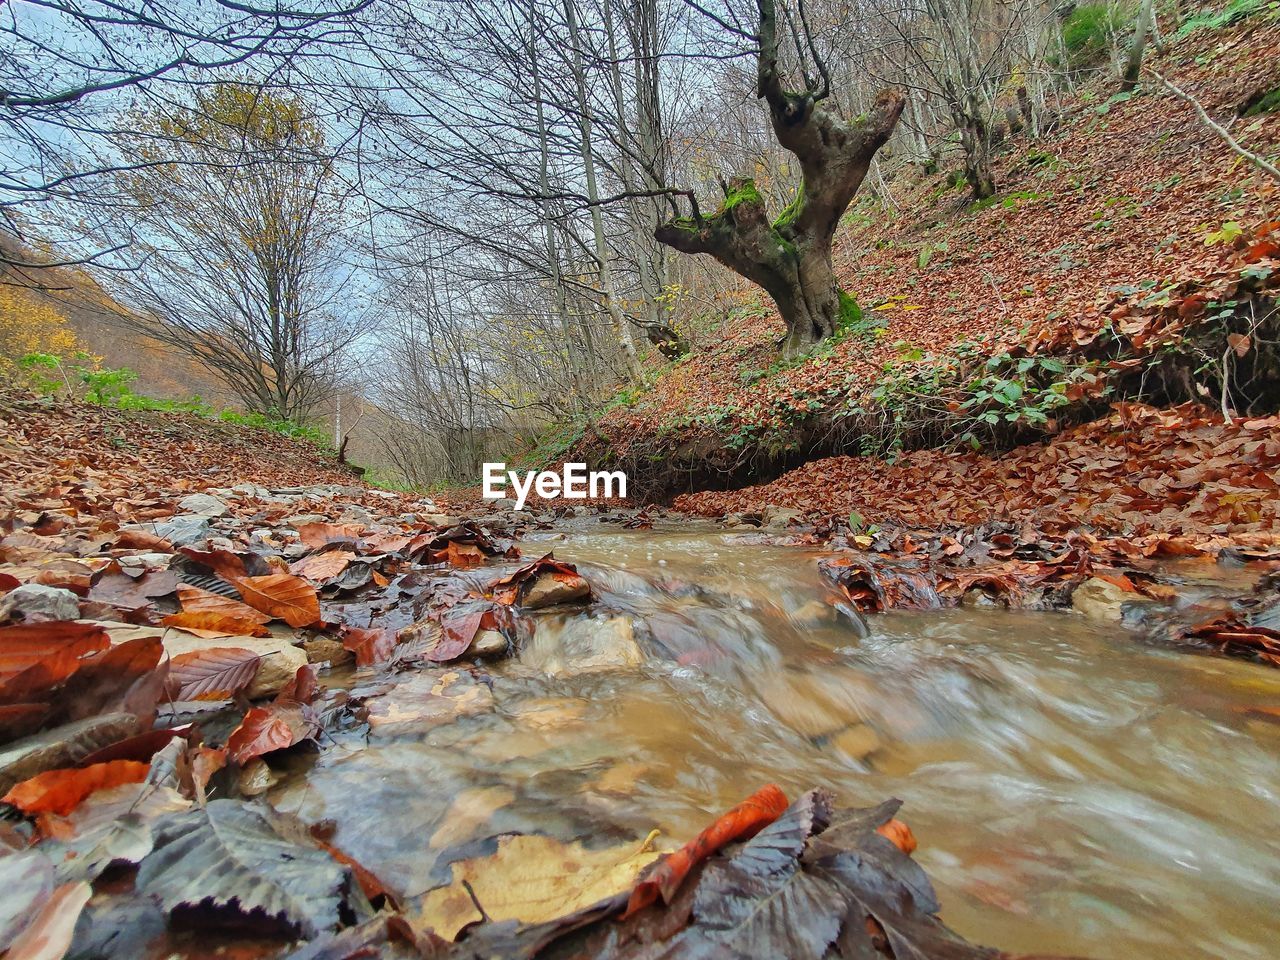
[1256, 159]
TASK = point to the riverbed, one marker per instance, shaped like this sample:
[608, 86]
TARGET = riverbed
[1075, 789]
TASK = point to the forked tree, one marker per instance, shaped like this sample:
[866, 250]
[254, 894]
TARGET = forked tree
[790, 255]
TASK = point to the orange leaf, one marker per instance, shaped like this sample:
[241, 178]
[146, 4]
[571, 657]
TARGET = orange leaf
[56, 645]
[461, 555]
[899, 834]
[209, 624]
[319, 533]
[195, 600]
[282, 595]
[60, 791]
[742, 822]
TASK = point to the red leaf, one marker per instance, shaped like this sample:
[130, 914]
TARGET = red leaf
[744, 821]
[266, 729]
[302, 688]
[57, 645]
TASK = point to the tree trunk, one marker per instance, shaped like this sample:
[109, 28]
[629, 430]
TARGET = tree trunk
[1146, 14]
[790, 257]
[607, 290]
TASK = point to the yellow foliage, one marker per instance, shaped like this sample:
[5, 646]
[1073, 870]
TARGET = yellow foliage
[29, 325]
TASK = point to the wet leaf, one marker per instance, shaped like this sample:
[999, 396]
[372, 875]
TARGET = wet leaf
[246, 858]
[61, 791]
[48, 934]
[371, 646]
[532, 879]
[265, 729]
[215, 625]
[322, 567]
[196, 601]
[743, 821]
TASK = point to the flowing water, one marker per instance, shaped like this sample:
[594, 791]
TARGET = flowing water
[1073, 789]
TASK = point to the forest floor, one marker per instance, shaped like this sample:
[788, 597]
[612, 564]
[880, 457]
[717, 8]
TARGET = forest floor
[1125, 249]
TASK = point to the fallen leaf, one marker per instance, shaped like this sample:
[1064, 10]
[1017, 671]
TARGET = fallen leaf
[371, 646]
[745, 820]
[195, 600]
[61, 791]
[282, 595]
[266, 729]
[213, 625]
[216, 673]
[532, 879]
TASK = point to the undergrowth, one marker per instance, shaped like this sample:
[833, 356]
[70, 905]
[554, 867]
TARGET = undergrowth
[48, 375]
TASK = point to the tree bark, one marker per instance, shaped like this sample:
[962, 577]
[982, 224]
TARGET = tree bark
[790, 257]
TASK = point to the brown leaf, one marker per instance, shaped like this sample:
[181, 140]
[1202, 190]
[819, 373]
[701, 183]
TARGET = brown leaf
[217, 673]
[461, 555]
[318, 534]
[282, 595]
[196, 600]
[303, 688]
[324, 566]
[371, 646]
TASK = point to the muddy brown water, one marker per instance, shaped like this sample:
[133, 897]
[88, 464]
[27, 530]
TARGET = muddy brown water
[1074, 789]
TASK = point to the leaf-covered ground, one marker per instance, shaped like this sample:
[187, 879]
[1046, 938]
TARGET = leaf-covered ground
[1141, 474]
[1118, 200]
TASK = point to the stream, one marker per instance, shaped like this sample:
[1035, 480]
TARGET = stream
[1074, 790]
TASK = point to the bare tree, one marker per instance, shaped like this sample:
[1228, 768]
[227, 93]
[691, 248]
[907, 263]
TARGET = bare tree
[790, 256]
[237, 224]
[69, 66]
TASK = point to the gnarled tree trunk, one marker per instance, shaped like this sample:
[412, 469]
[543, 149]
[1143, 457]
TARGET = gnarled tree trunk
[790, 257]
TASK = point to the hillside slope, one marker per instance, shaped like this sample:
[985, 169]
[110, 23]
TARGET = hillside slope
[135, 463]
[1118, 245]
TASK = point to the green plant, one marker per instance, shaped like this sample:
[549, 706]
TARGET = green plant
[1234, 12]
[1088, 30]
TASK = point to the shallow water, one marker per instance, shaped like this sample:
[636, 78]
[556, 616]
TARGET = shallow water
[1073, 789]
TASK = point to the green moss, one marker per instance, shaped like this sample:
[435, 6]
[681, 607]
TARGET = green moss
[1234, 12]
[1267, 103]
[791, 210]
[740, 191]
[850, 313]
